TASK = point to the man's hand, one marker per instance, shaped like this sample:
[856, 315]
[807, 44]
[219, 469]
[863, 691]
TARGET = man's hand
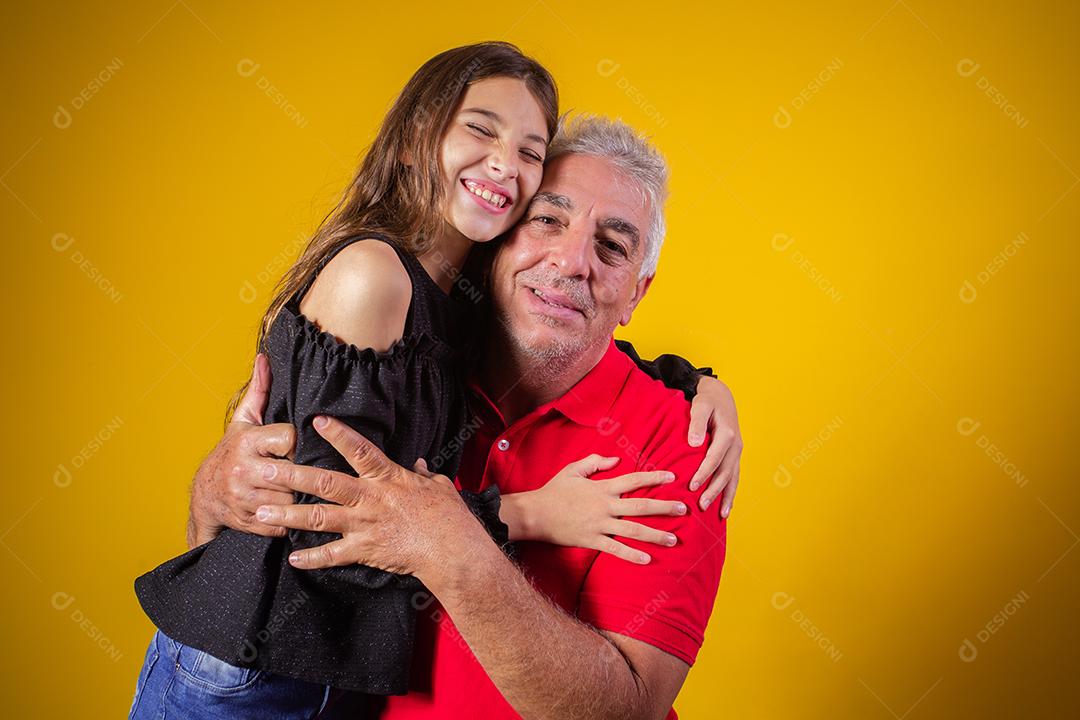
[402, 521]
[237, 476]
[713, 411]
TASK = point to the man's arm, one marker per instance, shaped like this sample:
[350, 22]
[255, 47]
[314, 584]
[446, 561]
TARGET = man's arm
[545, 663]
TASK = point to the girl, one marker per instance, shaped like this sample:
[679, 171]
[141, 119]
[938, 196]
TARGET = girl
[366, 327]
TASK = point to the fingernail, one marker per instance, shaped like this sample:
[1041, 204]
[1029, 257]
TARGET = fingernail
[269, 471]
[262, 514]
[725, 511]
[320, 422]
[643, 558]
[705, 503]
[680, 509]
[294, 559]
[696, 440]
[669, 477]
[671, 539]
[695, 485]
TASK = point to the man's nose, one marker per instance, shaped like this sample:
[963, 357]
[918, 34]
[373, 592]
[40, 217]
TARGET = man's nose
[570, 252]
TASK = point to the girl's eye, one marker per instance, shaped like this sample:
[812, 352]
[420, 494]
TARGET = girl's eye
[535, 157]
[480, 129]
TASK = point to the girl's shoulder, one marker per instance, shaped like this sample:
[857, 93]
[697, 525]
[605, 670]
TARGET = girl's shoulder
[361, 296]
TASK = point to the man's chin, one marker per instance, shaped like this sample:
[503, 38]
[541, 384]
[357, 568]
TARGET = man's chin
[552, 340]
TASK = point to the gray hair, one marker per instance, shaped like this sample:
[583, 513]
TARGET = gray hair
[631, 153]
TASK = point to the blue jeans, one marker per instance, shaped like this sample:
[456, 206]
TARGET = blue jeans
[178, 681]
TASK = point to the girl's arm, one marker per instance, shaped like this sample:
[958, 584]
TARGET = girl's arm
[712, 413]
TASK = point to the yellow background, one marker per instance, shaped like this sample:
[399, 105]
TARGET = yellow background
[818, 260]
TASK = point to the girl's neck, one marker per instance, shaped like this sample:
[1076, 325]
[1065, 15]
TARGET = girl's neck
[444, 261]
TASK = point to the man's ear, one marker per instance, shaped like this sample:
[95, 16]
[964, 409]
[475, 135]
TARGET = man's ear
[639, 292]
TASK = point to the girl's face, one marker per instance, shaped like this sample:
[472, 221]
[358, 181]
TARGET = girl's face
[492, 157]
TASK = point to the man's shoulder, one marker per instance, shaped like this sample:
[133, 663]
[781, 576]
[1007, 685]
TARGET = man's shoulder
[655, 416]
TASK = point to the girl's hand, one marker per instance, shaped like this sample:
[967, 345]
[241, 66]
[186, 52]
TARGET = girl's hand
[574, 511]
[713, 411]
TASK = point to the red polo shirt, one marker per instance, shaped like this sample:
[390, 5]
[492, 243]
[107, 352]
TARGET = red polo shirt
[615, 410]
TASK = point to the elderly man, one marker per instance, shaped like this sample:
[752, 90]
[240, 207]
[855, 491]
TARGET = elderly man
[584, 634]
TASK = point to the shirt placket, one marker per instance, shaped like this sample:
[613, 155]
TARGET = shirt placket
[503, 454]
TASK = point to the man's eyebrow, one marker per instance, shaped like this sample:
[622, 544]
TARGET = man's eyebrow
[496, 118]
[560, 201]
[623, 227]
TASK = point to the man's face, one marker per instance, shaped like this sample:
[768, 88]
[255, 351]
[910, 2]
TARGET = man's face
[568, 273]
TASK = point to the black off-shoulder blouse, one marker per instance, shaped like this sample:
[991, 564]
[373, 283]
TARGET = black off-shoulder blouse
[238, 598]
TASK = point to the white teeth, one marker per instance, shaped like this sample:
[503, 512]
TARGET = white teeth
[492, 197]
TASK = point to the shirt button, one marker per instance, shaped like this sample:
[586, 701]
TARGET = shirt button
[503, 444]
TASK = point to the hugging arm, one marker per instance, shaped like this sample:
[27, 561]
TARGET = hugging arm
[712, 413]
[545, 662]
[242, 473]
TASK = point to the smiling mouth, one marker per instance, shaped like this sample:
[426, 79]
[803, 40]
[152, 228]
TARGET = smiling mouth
[549, 300]
[495, 199]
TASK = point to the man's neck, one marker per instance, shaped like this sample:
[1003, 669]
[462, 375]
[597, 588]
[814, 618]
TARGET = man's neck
[518, 382]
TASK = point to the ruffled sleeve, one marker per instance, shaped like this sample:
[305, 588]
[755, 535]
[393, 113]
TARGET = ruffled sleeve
[674, 371]
[315, 374]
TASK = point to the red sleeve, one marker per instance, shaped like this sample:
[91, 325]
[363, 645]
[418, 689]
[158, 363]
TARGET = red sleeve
[666, 603]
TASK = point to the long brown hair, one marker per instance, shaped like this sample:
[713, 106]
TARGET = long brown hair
[398, 188]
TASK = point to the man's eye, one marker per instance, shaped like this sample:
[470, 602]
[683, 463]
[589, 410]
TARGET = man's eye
[480, 129]
[545, 220]
[612, 246]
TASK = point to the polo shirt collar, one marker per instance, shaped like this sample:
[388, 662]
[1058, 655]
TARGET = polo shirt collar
[590, 400]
